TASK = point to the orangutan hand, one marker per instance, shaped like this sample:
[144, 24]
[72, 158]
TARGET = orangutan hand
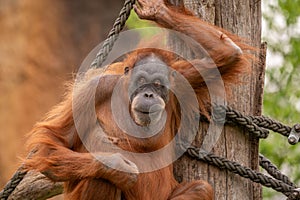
[149, 9]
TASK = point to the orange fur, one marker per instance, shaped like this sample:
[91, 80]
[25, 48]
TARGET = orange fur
[62, 156]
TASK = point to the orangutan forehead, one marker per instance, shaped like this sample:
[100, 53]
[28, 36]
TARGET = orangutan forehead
[151, 64]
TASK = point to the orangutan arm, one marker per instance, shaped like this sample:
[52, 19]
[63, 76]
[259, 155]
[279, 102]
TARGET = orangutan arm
[220, 46]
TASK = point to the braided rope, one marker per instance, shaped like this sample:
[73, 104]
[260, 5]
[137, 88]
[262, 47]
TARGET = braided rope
[254, 124]
[274, 171]
[243, 171]
[113, 34]
[12, 184]
[15, 180]
[240, 119]
[271, 124]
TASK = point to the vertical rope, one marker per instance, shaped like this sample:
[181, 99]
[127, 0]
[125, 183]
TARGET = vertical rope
[113, 34]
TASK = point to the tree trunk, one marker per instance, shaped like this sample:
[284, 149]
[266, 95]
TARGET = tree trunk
[244, 19]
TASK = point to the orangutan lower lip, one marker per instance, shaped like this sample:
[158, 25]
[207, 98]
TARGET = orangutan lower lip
[146, 112]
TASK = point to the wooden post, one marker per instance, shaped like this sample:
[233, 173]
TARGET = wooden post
[244, 19]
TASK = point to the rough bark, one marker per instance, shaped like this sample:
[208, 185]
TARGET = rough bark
[36, 186]
[244, 19]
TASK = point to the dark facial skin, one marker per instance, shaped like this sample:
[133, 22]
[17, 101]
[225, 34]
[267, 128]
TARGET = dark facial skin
[148, 90]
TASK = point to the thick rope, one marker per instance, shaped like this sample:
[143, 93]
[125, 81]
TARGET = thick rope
[12, 184]
[274, 171]
[240, 119]
[222, 163]
[15, 180]
[113, 34]
[271, 124]
[256, 125]
[250, 123]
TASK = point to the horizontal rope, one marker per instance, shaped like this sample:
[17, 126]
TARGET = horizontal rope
[271, 124]
[243, 171]
[239, 119]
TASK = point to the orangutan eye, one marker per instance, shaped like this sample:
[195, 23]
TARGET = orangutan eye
[141, 81]
[126, 70]
[157, 83]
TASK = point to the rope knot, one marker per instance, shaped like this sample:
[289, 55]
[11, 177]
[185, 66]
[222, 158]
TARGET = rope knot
[294, 134]
[219, 114]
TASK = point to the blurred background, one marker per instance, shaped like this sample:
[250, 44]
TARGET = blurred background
[42, 43]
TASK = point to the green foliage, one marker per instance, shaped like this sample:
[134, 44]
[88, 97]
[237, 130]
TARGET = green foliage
[290, 9]
[134, 22]
[282, 91]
